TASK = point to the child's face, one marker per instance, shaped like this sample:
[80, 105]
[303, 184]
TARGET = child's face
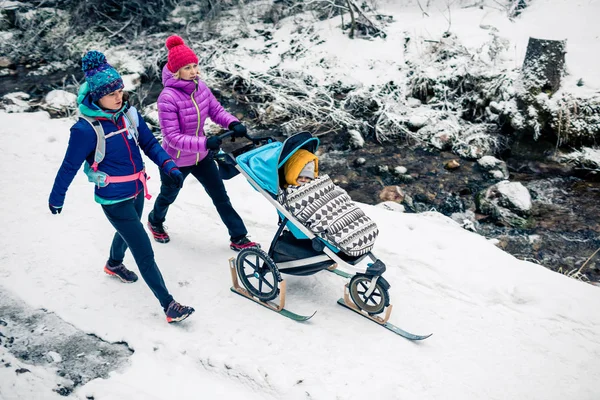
[112, 101]
[188, 72]
[303, 179]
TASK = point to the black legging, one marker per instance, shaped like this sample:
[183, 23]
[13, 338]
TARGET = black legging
[207, 173]
[125, 217]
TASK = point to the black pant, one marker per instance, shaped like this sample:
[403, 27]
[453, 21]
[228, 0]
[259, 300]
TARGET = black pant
[125, 217]
[207, 173]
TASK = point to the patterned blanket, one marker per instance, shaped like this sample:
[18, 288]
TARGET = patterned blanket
[330, 213]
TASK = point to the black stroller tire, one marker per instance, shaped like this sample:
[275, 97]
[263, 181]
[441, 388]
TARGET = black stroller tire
[374, 304]
[257, 272]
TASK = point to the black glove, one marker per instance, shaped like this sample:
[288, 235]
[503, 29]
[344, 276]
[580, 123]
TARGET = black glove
[169, 168]
[213, 143]
[54, 210]
[177, 177]
[239, 130]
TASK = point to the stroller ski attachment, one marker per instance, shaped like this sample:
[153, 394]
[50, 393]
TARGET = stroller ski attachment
[260, 276]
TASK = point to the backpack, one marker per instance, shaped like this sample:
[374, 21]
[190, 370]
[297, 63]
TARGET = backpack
[100, 178]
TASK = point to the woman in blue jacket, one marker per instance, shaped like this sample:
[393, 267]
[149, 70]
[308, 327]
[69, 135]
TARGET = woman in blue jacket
[108, 138]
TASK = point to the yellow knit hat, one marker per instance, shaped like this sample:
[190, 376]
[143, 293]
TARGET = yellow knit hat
[295, 164]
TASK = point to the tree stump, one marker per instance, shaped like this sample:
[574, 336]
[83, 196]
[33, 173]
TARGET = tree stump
[544, 64]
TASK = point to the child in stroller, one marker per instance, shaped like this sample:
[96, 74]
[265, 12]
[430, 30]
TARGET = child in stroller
[323, 207]
[320, 228]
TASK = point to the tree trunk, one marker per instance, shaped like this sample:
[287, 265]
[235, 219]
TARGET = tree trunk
[544, 64]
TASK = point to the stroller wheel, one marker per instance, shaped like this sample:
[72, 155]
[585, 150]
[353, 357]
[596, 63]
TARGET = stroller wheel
[373, 304]
[258, 273]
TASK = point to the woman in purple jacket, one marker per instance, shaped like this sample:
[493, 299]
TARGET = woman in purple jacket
[183, 106]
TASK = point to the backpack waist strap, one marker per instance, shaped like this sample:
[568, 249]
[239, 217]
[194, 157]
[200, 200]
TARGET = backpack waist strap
[141, 176]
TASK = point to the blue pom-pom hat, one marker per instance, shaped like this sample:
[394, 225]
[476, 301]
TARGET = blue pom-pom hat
[101, 77]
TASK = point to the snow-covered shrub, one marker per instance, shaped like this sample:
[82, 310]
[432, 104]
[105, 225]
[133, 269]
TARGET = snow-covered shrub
[15, 102]
[576, 119]
[38, 35]
[476, 141]
[587, 157]
[447, 76]
[287, 98]
[123, 20]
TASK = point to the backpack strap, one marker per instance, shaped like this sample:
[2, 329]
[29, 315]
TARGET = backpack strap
[100, 141]
[132, 122]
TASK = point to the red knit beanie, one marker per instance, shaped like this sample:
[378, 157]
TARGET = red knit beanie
[179, 54]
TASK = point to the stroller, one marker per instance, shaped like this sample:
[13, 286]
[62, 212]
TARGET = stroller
[295, 249]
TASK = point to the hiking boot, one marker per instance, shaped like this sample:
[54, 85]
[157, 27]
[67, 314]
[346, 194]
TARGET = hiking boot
[176, 312]
[242, 243]
[159, 233]
[121, 272]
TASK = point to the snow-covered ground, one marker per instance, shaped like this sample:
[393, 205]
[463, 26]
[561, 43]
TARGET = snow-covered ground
[502, 328]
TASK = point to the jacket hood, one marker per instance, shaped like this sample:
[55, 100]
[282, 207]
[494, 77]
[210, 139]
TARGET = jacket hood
[90, 109]
[171, 82]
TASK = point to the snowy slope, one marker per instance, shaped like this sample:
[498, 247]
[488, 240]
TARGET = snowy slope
[324, 52]
[503, 328]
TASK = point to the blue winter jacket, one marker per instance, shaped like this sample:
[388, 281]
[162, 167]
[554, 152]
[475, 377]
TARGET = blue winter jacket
[122, 156]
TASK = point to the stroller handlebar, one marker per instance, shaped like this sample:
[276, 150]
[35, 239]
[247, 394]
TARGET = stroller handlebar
[253, 139]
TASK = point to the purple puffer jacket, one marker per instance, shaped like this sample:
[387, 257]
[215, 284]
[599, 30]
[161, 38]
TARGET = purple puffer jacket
[182, 109]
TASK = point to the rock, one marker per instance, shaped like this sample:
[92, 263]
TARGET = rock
[516, 196]
[6, 62]
[392, 193]
[497, 169]
[467, 220]
[391, 206]
[406, 178]
[413, 102]
[452, 164]
[61, 101]
[360, 161]
[508, 203]
[496, 174]
[340, 179]
[355, 138]
[496, 107]
[53, 357]
[400, 170]
[383, 169]
[489, 162]
[416, 122]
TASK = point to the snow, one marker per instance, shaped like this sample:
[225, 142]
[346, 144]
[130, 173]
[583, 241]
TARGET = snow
[502, 328]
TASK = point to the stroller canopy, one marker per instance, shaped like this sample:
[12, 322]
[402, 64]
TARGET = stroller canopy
[262, 164]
